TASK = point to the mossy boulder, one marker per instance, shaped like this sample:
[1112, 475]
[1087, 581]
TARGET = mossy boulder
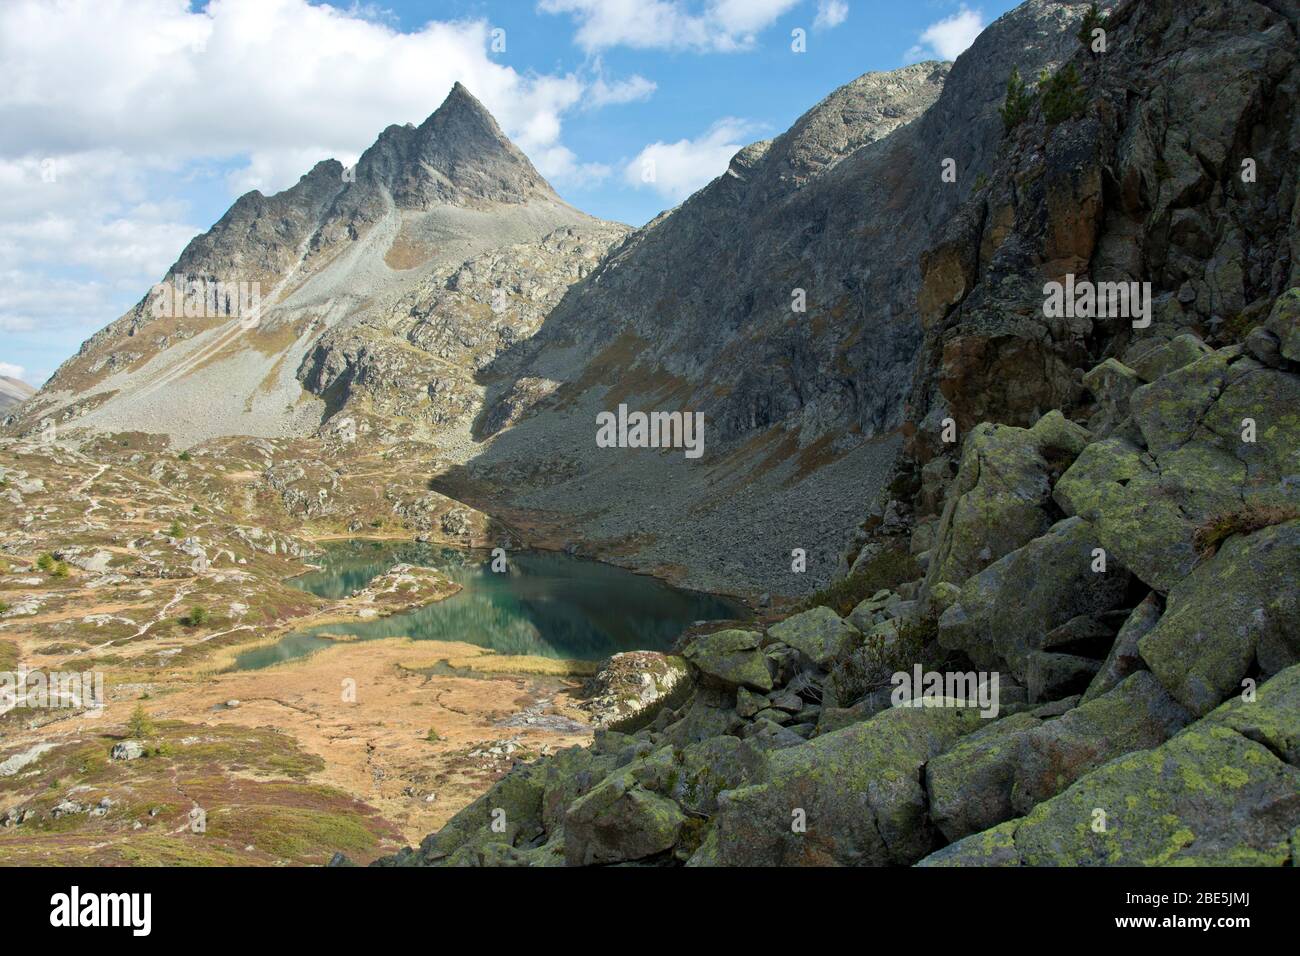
[1284, 322]
[1004, 770]
[1004, 611]
[997, 501]
[1111, 384]
[1187, 460]
[1135, 715]
[819, 634]
[1166, 357]
[1216, 794]
[852, 797]
[1238, 610]
[731, 658]
[970, 785]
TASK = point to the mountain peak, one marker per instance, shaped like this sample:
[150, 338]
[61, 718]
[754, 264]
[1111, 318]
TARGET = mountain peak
[459, 155]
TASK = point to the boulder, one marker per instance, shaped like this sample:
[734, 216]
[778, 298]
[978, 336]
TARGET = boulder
[1136, 715]
[1111, 383]
[1238, 610]
[1284, 322]
[1216, 794]
[1166, 357]
[1004, 612]
[1123, 658]
[970, 785]
[630, 688]
[128, 750]
[819, 634]
[1147, 500]
[997, 502]
[852, 797]
[732, 658]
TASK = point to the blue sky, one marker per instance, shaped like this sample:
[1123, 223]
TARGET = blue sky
[113, 155]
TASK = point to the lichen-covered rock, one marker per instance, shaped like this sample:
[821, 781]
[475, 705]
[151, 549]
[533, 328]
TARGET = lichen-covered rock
[1284, 322]
[732, 658]
[1111, 383]
[1165, 357]
[852, 797]
[1238, 609]
[1147, 502]
[1004, 611]
[1004, 770]
[970, 785]
[996, 503]
[819, 634]
[618, 822]
[1216, 794]
[630, 688]
[1136, 715]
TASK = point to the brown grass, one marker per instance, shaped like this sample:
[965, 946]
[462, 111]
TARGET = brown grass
[1247, 519]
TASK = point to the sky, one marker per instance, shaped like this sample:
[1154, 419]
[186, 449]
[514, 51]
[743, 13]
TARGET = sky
[127, 127]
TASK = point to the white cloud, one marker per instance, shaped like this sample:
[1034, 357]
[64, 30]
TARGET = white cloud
[265, 78]
[110, 107]
[11, 371]
[720, 26]
[675, 170]
[830, 14]
[948, 38]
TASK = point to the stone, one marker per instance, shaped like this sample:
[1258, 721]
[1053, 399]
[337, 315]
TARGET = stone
[128, 750]
[1004, 611]
[970, 785]
[997, 501]
[859, 790]
[1239, 609]
[1178, 352]
[1111, 383]
[631, 688]
[1051, 676]
[1284, 322]
[1135, 715]
[1213, 795]
[819, 634]
[732, 658]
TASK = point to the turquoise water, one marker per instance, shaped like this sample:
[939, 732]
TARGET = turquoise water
[547, 604]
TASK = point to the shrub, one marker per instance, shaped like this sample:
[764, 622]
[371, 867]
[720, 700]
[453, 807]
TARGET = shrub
[1093, 19]
[60, 570]
[176, 530]
[184, 456]
[1063, 95]
[887, 568]
[139, 724]
[1015, 109]
[1244, 520]
[197, 617]
[45, 562]
[4, 566]
[4, 607]
[433, 736]
[872, 664]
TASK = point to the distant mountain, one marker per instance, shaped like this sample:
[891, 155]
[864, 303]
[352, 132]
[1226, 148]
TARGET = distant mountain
[362, 263]
[13, 392]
